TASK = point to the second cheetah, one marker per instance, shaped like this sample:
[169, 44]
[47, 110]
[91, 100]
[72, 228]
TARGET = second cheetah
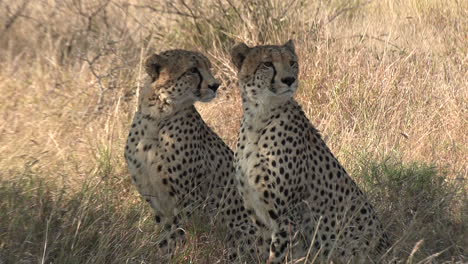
[292, 185]
[178, 164]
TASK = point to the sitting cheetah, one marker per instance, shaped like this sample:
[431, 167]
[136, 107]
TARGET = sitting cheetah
[292, 185]
[178, 164]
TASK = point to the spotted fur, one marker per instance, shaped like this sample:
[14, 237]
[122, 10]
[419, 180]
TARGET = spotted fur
[178, 164]
[292, 185]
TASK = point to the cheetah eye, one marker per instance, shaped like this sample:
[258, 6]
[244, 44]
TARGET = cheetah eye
[193, 70]
[268, 64]
[293, 63]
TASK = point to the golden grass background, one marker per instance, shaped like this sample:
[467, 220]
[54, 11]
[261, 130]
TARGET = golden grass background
[383, 80]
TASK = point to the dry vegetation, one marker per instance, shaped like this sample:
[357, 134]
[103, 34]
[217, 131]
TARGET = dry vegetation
[385, 81]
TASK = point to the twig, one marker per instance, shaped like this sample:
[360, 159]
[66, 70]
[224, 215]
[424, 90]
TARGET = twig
[362, 36]
[98, 77]
[193, 16]
[342, 11]
[18, 13]
[177, 12]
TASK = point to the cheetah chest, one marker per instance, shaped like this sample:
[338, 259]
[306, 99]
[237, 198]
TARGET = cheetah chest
[141, 154]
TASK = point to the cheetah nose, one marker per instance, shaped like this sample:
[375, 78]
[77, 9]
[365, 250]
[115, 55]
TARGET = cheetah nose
[214, 86]
[288, 80]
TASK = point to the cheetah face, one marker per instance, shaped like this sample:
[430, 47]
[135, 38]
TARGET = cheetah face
[267, 73]
[178, 78]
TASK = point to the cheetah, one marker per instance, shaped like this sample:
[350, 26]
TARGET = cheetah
[178, 164]
[293, 187]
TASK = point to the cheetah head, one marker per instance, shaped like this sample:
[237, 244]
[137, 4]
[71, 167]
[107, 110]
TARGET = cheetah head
[267, 74]
[177, 79]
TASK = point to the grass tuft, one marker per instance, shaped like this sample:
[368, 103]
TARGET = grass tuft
[424, 212]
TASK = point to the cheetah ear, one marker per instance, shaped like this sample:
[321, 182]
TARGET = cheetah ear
[153, 66]
[238, 54]
[290, 45]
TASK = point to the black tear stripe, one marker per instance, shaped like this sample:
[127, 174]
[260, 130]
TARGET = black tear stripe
[274, 73]
[201, 80]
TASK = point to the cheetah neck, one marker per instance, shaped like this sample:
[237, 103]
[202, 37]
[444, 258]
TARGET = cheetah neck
[154, 123]
[258, 116]
[158, 109]
[258, 113]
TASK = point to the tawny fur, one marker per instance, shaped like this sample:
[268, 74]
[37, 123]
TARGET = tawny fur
[291, 183]
[178, 164]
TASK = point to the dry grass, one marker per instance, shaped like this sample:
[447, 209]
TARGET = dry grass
[385, 81]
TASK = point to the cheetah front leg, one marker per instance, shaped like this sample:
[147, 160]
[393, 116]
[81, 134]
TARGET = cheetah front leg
[241, 233]
[241, 244]
[171, 234]
[263, 234]
[273, 227]
[276, 231]
[280, 240]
